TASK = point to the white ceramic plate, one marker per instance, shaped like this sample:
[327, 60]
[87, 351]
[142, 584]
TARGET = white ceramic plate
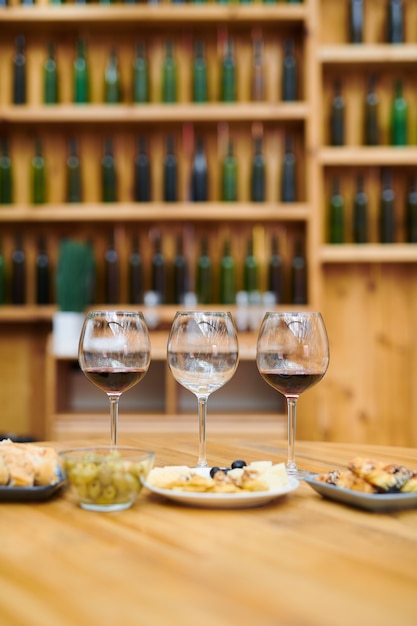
[223, 500]
[380, 502]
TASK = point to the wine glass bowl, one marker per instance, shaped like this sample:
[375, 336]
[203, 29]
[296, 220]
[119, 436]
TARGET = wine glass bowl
[292, 355]
[203, 355]
[114, 354]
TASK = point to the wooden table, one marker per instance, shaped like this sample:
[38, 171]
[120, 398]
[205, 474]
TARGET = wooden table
[301, 561]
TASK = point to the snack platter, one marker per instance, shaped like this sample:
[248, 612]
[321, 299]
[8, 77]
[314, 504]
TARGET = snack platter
[36, 493]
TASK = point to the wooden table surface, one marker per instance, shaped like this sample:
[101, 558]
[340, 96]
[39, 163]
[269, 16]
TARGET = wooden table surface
[301, 561]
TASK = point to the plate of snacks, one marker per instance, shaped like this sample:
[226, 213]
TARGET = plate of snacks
[28, 472]
[369, 484]
[240, 486]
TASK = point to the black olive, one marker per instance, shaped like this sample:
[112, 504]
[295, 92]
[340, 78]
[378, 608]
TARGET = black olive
[238, 463]
[214, 470]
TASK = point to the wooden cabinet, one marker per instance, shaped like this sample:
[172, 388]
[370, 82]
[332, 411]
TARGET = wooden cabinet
[364, 291]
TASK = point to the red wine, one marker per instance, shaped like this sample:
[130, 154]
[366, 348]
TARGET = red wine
[291, 383]
[113, 380]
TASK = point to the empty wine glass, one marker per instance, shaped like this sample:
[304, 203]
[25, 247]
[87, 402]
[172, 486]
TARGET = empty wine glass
[292, 355]
[202, 355]
[114, 354]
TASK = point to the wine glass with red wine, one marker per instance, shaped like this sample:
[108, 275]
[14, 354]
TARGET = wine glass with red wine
[292, 355]
[114, 354]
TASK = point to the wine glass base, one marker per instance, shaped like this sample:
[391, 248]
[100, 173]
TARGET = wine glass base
[295, 472]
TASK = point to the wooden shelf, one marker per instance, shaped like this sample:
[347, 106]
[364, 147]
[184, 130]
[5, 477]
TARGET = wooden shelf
[368, 253]
[368, 156]
[368, 53]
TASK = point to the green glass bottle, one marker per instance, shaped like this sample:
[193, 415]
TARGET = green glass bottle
[6, 175]
[199, 174]
[50, 78]
[42, 270]
[80, 74]
[2, 278]
[204, 286]
[181, 278]
[228, 74]
[73, 173]
[288, 172]
[356, 21]
[170, 172]
[135, 274]
[299, 275]
[111, 273]
[142, 173]
[19, 71]
[371, 121]
[360, 213]
[258, 173]
[112, 80]
[169, 75]
[395, 22]
[275, 272]
[38, 175]
[229, 176]
[336, 215]
[337, 120]
[199, 73]
[250, 270]
[18, 272]
[289, 72]
[399, 117]
[258, 74]
[108, 173]
[387, 210]
[140, 76]
[158, 277]
[411, 212]
[227, 276]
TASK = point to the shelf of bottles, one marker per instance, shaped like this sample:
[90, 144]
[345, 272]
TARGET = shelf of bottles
[369, 154]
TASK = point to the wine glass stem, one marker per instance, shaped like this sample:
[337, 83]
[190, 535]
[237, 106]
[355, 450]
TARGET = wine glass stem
[114, 418]
[291, 407]
[202, 411]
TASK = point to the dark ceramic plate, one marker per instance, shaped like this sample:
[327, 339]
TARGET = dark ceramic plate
[30, 494]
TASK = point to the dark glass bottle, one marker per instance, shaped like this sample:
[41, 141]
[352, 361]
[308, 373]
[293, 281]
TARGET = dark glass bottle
[258, 76]
[395, 22]
[360, 213]
[142, 173]
[19, 72]
[336, 215]
[169, 75]
[38, 175]
[135, 274]
[108, 173]
[112, 80]
[204, 275]
[140, 76]
[399, 117]
[159, 281]
[288, 175]
[80, 74]
[250, 270]
[2, 278]
[371, 125]
[73, 173]
[170, 172]
[228, 75]
[299, 275]
[275, 272]
[181, 278]
[6, 178]
[356, 21]
[258, 173]
[18, 273]
[387, 210]
[229, 176]
[42, 274]
[199, 73]
[337, 120]
[227, 276]
[289, 72]
[50, 77]
[199, 174]
[111, 273]
[411, 213]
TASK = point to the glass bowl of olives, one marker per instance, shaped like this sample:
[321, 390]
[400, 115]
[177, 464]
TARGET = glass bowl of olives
[106, 478]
